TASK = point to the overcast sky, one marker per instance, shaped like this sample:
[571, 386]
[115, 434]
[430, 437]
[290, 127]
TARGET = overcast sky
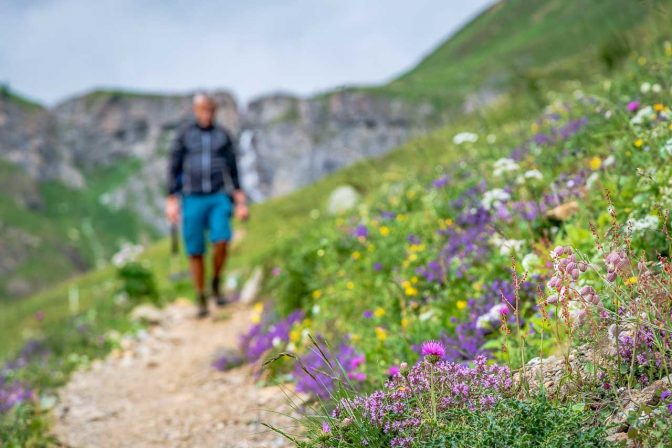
[51, 49]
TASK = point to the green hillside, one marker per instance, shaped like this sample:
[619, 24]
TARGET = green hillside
[517, 44]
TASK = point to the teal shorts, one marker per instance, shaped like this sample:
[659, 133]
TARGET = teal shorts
[203, 213]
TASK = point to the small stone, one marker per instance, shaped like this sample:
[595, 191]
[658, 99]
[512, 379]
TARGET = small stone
[252, 287]
[342, 199]
[148, 314]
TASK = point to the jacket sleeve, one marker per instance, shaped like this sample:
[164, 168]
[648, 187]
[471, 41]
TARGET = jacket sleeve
[175, 165]
[232, 164]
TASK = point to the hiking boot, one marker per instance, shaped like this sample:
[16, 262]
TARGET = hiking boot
[202, 306]
[220, 299]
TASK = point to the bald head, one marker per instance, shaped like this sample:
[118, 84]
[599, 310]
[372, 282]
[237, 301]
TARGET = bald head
[205, 108]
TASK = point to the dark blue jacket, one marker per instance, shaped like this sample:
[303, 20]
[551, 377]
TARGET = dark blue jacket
[202, 161]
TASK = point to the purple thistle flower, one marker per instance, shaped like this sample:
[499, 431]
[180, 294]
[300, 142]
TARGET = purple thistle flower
[433, 350]
[633, 106]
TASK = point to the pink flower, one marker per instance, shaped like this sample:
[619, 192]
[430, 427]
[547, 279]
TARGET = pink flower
[633, 106]
[433, 350]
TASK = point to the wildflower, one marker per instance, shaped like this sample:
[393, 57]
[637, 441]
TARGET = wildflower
[393, 371]
[381, 334]
[664, 395]
[465, 137]
[379, 312]
[356, 255]
[530, 262]
[325, 427]
[638, 143]
[633, 106]
[461, 304]
[631, 281]
[645, 87]
[595, 163]
[317, 294]
[350, 285]
[494, 198]
[404, 323]
[533, 174]
[411, 291]
[377, 267]
[441, 182]
[433, 351]
[658, 107]
[361, 231]
[384, 230]
[367, 314]
[504, 165]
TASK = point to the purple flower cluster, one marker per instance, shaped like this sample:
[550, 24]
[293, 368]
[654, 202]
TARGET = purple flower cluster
[262, 337]
[466, 342]
[651, 354]
[400, 409]
[13, 393]
[318, 370]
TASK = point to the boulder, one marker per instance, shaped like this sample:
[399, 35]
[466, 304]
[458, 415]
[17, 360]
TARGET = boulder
[342, 199]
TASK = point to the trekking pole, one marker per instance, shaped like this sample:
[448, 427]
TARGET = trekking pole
[174, 252]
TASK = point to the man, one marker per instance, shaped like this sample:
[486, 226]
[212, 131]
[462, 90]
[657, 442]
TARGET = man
[202, 181]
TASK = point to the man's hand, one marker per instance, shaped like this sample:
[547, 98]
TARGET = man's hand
[242, 212]
[173, 209]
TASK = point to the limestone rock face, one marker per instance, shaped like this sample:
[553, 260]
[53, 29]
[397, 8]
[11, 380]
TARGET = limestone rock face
[297, 141]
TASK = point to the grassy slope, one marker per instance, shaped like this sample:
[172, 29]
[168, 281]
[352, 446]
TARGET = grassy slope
[503, 34]
[74, 229]
[517, 41]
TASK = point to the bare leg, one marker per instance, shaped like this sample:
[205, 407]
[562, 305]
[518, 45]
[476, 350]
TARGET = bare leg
[198, 276]
[218, 262]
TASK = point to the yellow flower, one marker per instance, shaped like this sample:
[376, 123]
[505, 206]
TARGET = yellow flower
[638, 143]
[379, 312]
[356, 255]
[317, 294]
[414, 280]
[355, 337]
[477, 286]
[461, 304]
[256, 313]
[411, 291]
[658, 107]
[350, 285]
[595, 163]
[631, 281]
[370, 247]
[295, 335]
[412, 257]
[405, 284]
[384, 230]
[404, 323]
[405, 264]
[381, 333]
[401, 217]
[534, 127]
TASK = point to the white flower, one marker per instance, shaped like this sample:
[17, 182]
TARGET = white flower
[491, 138]
[494, 198]
[647, 223]
[592, 179]
[276, 341]
[645, 87]
[463, 137]
[533, 174]
[530, 262]
[491, 317]
[643, 113]
[609, 161]
[506, 247]
[656, 88]
[504, 165]
[127, 254]
[666, 150]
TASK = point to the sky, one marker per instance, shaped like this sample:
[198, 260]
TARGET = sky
[52, 49]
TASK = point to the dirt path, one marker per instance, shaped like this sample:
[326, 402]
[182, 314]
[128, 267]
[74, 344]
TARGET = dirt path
[161, 391]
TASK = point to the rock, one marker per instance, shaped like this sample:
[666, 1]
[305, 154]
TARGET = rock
[252, 286]
[564, 211]
[148, 314]
[342, 199]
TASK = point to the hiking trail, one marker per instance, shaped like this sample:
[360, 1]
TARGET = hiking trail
[162, 391]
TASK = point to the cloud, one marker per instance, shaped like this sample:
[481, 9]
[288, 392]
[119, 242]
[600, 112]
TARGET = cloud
[53, 48]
